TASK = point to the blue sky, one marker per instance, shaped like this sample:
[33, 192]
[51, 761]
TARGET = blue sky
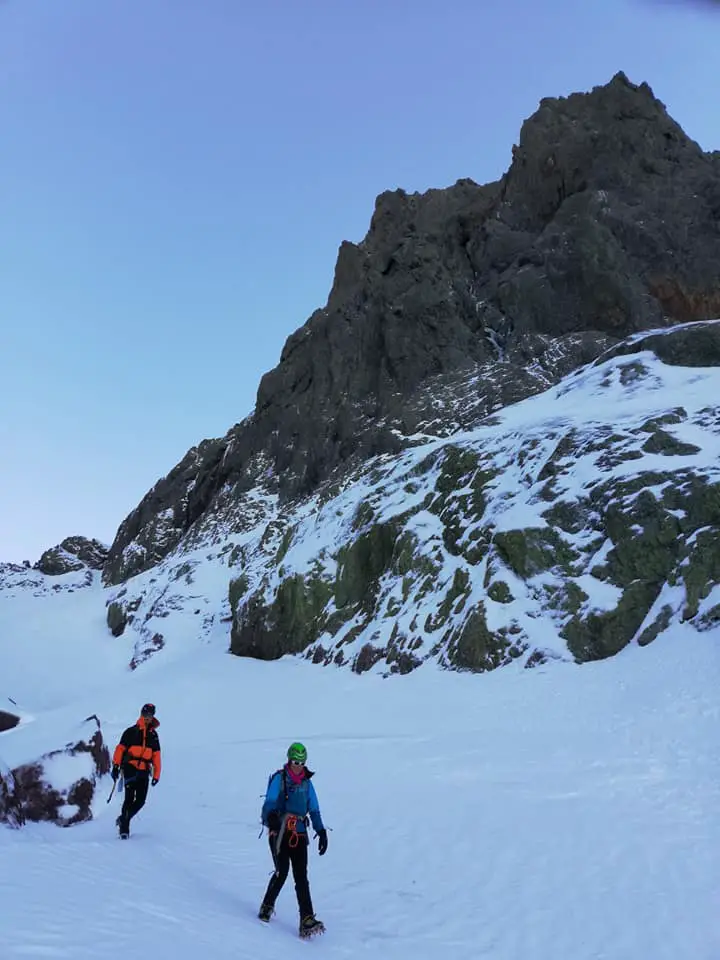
[176, 178]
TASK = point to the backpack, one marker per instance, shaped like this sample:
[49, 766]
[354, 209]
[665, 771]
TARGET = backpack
[283, 773]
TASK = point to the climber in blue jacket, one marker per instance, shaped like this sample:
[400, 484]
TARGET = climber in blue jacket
[290, 801]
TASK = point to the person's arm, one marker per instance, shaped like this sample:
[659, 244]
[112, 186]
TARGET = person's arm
[314, 809]
[121, 748]
[118, 755]
[156, 762]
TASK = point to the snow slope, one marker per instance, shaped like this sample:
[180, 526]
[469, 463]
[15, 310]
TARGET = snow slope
[558, 812]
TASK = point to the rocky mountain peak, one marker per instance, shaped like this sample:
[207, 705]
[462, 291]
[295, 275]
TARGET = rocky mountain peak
[74, 553]
[469, 298]
[610, 139]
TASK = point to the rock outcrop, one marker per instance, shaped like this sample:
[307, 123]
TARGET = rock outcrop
[590, 520]
[692, 345]
[59, 786]
[11, 809]
[605, 225]
[8, 721]
[74, 553]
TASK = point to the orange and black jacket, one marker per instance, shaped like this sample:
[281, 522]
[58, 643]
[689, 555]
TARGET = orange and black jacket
[140, 746]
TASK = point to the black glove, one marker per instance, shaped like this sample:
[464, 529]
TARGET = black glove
[154, 781]
[273, 821]
[115, 772]
[322, 841]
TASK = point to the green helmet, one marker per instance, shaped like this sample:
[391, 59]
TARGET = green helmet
[297, 753]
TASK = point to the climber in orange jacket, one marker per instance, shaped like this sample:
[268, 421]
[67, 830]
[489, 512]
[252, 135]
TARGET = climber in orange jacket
[138, 755]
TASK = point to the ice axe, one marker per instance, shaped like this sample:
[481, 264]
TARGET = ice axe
[120, 781]
[275, 841]
[273, 852]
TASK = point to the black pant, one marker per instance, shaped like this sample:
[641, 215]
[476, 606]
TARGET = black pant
[136, 789]
[298, 857]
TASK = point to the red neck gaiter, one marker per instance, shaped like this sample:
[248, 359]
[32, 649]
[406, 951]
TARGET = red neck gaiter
[295, 777]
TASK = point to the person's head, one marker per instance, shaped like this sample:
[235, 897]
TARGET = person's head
[147, 712]
[297, 755]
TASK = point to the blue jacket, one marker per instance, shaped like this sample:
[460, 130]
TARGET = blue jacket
[300, 799]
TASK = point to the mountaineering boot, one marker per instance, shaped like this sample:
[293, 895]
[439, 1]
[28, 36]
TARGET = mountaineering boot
[123, 827]
[266, 911]
[310, 927]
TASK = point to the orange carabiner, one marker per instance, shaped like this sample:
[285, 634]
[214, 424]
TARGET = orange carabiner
[291, 827]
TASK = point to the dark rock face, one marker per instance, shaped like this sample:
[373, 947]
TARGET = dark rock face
[606, 224]
[167, 512]
[74, 553]
[28, 792]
